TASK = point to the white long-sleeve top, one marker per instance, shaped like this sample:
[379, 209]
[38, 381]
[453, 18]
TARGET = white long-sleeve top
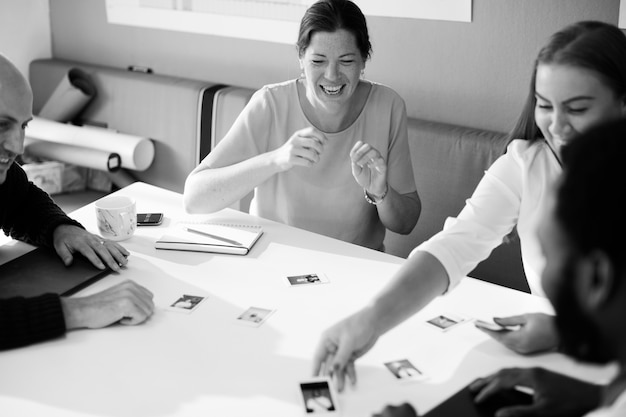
[511, 194]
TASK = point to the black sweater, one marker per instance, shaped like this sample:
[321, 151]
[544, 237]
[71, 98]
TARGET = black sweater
[28, 214]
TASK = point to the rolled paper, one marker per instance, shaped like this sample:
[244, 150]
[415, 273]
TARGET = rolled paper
[70, 97]
[76, 155]
[136, 152]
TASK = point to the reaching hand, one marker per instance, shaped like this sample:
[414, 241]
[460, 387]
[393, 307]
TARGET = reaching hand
[341, 345]
[68, 239]
[127, 303]
[537, 333]
[369, 168]
[554, 395]
[403, 410]
[304, 148]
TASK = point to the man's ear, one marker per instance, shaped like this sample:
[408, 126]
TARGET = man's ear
[595, 280]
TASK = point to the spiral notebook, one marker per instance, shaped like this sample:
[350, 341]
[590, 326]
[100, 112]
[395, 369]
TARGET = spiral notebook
[235, 239]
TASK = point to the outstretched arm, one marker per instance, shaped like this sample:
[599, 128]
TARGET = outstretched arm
[420, 279]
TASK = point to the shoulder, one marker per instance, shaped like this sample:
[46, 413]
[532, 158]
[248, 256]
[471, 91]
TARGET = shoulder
[278, 89]
[275, 95]
[526, 152]
[383, 93]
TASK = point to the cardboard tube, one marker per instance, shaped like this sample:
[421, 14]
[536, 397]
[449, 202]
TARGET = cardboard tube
[136, 152]
[77, 155]
[74, 92]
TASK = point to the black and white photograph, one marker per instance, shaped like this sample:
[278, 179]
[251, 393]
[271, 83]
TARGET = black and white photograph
[186, 303]
[404, 370]
[254, 316]
[206, 203]
[318, 397]
[306, 279]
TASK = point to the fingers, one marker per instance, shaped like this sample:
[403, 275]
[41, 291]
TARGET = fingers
[505, 379]
[65, 254]
[324, 349]
[363, 154]
[113, 254]
[135, 302]
[511, 320]
[340, 365]
[305, 147]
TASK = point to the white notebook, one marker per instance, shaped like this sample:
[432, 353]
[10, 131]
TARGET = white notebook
[216, 238]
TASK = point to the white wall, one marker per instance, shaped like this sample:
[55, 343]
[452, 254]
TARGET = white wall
[474, 74]
[25, 31]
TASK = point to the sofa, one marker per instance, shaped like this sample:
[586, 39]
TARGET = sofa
[448, 162]
[186, 119]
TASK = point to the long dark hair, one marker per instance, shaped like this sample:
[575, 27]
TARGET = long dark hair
[330, 16]
[596, 46]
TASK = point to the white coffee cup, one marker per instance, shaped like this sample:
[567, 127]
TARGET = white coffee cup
[117, 217]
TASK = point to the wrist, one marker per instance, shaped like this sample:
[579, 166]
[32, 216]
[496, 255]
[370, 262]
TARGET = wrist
[376, 198]
[70, 313]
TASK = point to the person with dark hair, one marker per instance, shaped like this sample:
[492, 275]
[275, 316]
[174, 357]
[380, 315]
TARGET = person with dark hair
[582, 237]
[579, 82]
[327, 152]
[27, 213]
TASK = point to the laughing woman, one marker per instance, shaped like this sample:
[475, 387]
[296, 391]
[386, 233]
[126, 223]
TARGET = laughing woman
[327, 152]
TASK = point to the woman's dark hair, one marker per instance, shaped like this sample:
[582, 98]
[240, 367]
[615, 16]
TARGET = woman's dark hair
[330, 16]
[596, 46]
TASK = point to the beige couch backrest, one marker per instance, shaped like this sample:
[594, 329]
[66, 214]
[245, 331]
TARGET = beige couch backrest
[448, 163]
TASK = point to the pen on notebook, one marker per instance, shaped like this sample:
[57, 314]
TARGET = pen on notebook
[223, 239]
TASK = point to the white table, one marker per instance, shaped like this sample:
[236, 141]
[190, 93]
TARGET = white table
[205, 364]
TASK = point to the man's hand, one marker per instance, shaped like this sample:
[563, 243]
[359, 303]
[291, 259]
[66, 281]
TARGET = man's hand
[69, 239]
[555, 395]
[127, 303]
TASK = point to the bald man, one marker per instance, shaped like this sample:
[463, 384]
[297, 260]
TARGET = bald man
[28, 214]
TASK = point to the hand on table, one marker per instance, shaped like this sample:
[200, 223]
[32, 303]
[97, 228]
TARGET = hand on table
[369, 168]
[554, 395]
[127, 303]
[537, 333]
[69, 239]
[403, 410]
[341, 345]
[304, 148]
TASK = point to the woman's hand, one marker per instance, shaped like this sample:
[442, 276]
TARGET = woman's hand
[342, 344]
[536, 333]
[304, 148]
[369, 168]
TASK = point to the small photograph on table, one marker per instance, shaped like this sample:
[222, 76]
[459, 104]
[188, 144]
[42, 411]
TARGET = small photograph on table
[186, 303]
[318, 398]
[254, 316]
[306, 279]
[403, 369]
[445, 322]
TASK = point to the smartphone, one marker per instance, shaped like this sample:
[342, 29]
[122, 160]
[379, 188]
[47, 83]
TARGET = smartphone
[149, 219]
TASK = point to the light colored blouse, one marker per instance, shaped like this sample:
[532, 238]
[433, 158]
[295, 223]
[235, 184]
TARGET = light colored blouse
[324, 198]
[512, 193]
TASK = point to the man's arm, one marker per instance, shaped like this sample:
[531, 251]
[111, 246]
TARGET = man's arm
[24, 321]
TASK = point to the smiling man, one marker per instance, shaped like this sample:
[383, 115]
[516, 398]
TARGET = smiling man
[27, 213]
